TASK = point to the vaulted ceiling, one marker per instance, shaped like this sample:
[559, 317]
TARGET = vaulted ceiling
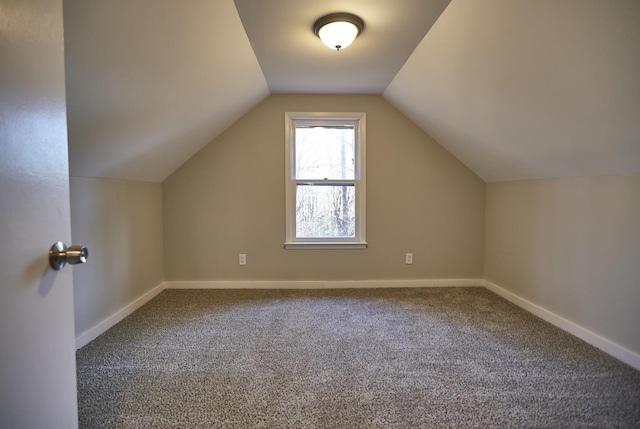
[516, 89]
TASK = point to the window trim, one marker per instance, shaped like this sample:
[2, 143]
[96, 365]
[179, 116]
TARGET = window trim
[359, 240]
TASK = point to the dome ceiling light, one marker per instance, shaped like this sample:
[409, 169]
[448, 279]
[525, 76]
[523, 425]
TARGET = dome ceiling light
[338, 30]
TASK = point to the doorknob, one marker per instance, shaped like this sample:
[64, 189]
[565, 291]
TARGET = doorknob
[60, 255]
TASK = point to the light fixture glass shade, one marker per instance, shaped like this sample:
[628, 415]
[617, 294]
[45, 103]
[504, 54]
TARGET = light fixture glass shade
[338, 35]
[338, 30]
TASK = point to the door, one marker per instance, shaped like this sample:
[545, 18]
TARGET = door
[37, 351]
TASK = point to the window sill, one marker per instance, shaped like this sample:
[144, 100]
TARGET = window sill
[325, 245]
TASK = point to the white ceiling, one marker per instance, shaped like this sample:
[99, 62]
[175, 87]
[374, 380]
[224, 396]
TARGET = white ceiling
[293, 60]
[516, 89]
[524, 89]
[151, 82]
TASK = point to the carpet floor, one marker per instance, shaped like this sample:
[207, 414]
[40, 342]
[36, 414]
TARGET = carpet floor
[346, 358]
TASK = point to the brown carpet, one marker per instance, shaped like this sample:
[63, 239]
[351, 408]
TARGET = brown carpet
[367, 358]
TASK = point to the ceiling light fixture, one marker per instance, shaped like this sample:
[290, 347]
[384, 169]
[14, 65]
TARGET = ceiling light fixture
[338, 30]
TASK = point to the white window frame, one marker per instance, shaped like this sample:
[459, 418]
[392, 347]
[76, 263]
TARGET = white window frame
[326, 118]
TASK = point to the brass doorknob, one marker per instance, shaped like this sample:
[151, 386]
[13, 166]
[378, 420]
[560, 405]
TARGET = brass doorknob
[60, 255]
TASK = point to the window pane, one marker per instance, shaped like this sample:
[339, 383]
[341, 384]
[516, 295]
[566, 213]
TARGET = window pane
[325, 211]
[325, 152]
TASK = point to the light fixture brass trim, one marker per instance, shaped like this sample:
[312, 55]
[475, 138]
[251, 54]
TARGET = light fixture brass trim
[338, 17]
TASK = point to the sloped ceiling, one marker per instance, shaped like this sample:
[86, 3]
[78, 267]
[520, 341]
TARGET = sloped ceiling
[523, 89]
[151, 82]
[516, 89]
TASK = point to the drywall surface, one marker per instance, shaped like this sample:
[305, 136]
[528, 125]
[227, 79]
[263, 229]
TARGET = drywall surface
[571, 246]
[230, 199]
[120, 222]
[524, 90]
[149, 83]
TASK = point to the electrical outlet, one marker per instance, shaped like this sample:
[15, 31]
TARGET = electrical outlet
[242, 259]
[408, 258]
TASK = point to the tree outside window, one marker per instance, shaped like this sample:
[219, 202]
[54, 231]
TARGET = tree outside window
[325, 189]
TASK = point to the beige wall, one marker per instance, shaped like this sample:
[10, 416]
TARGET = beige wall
[229, 199]
[571, 246]
[120, 222]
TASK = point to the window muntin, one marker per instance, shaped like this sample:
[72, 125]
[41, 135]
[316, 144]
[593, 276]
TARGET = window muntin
[325, 180]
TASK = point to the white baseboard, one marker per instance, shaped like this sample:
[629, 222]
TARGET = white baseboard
[95, 331]
[92, 333]
[321, 284]
[615, 350]
[625, 355]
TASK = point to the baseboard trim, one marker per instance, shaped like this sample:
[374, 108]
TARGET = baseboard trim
[92, 333]
[625, 355]
[322, 284]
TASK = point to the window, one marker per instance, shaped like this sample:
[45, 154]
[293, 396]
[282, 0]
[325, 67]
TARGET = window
[325, 180]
